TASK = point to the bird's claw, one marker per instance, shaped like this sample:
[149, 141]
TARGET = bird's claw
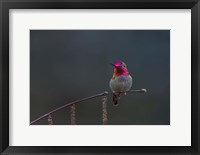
[105, 92]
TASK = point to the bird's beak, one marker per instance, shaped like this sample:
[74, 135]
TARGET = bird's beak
[112, 64]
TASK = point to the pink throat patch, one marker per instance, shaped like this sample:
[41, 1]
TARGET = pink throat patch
[119, 72]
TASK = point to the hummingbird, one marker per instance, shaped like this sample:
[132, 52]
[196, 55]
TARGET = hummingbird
[121, 81]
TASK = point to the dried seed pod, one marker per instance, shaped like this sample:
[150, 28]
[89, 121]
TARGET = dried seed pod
[73, 114]
[50, 120]
[104, 110]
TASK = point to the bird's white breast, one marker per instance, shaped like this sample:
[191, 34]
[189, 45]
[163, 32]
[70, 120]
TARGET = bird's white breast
[121, 83]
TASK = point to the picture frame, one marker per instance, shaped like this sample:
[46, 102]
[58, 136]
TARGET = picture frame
[5, 5]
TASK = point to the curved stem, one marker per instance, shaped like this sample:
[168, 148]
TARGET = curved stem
[81, 100]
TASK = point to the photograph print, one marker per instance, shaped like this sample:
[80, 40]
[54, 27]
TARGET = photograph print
[99, 77]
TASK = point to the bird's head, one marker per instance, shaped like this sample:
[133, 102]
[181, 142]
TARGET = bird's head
[120, 68]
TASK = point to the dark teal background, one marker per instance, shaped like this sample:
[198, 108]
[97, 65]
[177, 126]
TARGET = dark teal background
[66, 65]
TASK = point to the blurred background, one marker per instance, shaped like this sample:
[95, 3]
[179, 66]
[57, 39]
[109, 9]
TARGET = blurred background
[66, 65]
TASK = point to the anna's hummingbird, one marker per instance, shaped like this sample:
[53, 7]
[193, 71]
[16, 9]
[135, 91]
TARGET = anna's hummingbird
[121, 81]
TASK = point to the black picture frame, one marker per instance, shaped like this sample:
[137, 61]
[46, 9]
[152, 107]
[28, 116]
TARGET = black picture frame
[5, 5]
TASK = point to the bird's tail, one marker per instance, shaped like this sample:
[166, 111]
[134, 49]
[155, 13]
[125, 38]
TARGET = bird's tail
[116, 98]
